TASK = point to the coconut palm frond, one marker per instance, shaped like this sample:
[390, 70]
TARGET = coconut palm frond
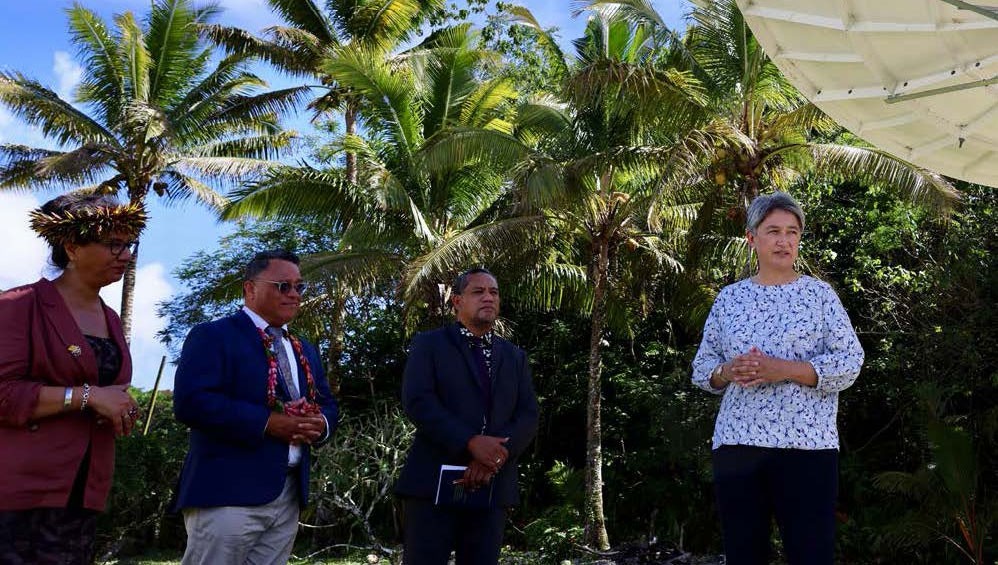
[57, 119]
[224, 167]
[180, 187]
[290, 192]
[477, 242]
[356, 270]
[264, 147]
[879, 167]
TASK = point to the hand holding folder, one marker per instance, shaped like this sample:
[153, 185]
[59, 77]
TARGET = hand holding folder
[453, 493]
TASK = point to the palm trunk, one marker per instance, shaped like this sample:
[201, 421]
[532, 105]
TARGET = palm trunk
[595, 535]
[752, 188]
[350, 121]
[128, 296]
[436, 306]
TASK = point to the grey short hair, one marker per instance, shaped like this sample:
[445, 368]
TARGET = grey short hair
[765, 204]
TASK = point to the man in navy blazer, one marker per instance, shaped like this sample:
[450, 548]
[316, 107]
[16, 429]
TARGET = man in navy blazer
[469, 393]
[246, 474]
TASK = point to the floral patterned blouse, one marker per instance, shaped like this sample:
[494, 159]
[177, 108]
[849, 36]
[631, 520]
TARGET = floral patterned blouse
[802, 320]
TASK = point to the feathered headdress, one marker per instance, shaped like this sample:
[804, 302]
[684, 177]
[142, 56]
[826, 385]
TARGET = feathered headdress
[90, 223]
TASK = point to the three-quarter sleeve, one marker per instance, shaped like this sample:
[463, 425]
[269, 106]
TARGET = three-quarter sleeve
[19, 392]
[838, 365]
[710, 354]
[801, 320]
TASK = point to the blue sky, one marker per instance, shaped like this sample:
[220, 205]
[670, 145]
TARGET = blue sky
[35, 42]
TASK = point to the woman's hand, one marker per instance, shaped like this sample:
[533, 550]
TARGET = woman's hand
[116, 406]
[756, 368]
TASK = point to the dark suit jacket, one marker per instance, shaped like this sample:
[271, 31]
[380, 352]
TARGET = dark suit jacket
[442, 395]
[220, 391]
[39, 460]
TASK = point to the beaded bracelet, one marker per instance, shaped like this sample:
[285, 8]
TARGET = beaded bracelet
[86, 397]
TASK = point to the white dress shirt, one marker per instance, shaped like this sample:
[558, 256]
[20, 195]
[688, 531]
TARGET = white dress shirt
[294, 452]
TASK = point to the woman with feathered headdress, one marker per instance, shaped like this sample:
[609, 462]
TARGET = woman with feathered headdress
[64, 375]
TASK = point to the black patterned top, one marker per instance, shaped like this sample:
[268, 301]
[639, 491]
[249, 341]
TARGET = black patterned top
[108, 358]
[108, 364]
[484, 343]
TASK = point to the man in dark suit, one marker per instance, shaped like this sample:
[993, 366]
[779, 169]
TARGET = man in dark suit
[470, 395]
[240, 386]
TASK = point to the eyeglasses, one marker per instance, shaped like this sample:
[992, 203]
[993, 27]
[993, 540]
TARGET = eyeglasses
[117, 247]
[284, 287]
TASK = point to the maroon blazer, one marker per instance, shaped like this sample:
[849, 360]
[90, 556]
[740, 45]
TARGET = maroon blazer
[39, 459]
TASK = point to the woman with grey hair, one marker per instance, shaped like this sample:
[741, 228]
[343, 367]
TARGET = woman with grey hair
[778, 347]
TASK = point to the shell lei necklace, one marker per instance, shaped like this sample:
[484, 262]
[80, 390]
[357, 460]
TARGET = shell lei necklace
[268, 347]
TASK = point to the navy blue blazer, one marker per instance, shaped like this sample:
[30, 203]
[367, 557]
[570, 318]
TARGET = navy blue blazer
[220, 392]
[442, 395]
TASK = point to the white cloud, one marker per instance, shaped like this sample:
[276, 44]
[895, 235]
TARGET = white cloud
[26, 260]
[25, 254]
[68, 74]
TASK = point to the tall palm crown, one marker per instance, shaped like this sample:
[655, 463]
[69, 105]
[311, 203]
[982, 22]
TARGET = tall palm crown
[409, 209]
[603, 163]
[631, 130]
[311, 36]
[779, 139]
[155, 116]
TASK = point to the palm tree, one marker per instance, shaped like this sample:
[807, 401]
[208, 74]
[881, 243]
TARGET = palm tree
[302, 47]
[155, 116]
[311, 36]
[604, 165]
[401, 213]
[783, 139]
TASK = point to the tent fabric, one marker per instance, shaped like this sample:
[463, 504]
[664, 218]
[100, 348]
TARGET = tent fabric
[916, 78]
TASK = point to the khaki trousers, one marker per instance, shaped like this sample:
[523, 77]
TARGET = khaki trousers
[244, 535]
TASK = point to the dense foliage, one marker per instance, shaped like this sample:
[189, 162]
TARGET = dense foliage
[921, 291]
[607, 188]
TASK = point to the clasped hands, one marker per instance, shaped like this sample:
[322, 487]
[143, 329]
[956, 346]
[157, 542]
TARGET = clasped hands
[754, 368]
[114, 405]
[296, 430]
[488, 453]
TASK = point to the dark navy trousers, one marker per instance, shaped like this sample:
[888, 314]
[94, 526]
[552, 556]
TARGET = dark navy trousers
[796, 486]
[432, 532]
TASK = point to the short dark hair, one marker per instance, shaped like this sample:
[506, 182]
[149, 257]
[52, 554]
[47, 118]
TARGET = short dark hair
[461, 281]
[261, 261]
[70, 203]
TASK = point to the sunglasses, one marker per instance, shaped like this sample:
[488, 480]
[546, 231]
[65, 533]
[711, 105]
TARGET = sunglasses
[117, 247]
[284, 287]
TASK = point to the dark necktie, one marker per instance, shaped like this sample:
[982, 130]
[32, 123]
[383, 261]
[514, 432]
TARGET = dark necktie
[283, 364]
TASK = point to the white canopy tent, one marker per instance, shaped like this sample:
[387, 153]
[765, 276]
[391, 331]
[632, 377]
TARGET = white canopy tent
[917, 78]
